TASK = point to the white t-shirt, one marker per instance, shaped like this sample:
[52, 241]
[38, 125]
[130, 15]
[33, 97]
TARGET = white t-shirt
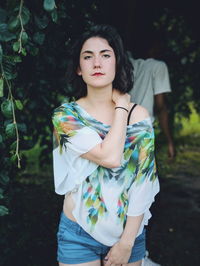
[151, 77]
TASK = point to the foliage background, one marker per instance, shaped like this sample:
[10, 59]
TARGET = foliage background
[35, 37]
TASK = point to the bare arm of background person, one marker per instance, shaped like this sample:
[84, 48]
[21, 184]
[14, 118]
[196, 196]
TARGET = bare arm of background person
[161, 110]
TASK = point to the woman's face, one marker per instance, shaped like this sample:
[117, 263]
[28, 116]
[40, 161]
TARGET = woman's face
[97, 63]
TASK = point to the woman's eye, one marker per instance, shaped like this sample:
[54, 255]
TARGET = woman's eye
[87, 57]
[106, 55]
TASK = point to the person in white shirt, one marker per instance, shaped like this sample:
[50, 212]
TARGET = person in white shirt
[151, 83]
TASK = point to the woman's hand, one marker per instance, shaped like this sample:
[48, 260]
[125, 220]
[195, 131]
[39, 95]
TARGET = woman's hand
[121, 99]
[119, 254]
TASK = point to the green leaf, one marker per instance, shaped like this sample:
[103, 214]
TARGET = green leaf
[24, 37]
[10, 76]
[19, 104]
[34, 51]
[10, 130]
[25, 15]
[16, 46]
[6, 122]
[39, 37]
[1, 139]
[4, 178]
[3, 210]
[1, 53]
[3, 27]
[3, 15]
[54, 15]
[5, 35]
[1, 193]
[41, 23]
[13, 23]
[13, 158]
[13, 145]
[1, 87]
[24, 53]
[6, 108]
[9, 70]
[49, 5]
[22, 127]
[16, 58]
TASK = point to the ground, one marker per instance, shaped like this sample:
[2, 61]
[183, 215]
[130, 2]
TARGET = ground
[174, 235]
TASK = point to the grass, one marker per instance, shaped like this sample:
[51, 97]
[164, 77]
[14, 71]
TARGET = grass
[191, 125]
[187, 160]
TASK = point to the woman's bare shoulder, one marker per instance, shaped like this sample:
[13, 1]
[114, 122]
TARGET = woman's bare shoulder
[139, 113]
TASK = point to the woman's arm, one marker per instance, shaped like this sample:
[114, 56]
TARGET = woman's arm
[130, 231]
[121, 251]
[109, 152]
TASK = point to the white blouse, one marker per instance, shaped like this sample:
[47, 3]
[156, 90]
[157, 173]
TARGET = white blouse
[103, 196]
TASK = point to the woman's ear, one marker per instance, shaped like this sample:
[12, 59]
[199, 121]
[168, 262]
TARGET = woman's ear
[78, 71]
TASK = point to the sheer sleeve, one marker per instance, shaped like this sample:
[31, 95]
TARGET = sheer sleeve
[145, 185]
[72, 137]
[71, 133]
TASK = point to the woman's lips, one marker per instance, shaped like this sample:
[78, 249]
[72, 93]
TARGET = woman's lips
[97, 74]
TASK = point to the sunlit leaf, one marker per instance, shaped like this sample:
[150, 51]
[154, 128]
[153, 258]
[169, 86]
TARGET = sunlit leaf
[49, 5]
[19, 104]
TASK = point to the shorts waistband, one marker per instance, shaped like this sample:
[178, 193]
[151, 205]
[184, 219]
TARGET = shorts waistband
[68, 221]
[71, 225]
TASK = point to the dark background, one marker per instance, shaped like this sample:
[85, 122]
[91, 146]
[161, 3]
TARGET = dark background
[135, 19]
[28, 233]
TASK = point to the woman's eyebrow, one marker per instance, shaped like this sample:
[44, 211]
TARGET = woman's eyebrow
[105, 50]
[91, 52]
[87, 52]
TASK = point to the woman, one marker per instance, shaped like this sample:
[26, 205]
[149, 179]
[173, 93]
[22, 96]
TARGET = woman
[104, 167]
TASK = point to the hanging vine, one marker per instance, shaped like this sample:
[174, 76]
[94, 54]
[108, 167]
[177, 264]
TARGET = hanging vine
[31, 75]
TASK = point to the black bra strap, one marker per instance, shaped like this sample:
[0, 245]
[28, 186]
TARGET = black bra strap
[129, 115]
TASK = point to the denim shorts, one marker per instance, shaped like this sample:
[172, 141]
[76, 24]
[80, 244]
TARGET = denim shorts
[76, 246]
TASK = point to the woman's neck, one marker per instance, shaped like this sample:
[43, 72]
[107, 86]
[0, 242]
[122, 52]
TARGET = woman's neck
[98, 97]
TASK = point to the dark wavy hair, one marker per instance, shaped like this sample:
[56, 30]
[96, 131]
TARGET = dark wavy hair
[124, 70]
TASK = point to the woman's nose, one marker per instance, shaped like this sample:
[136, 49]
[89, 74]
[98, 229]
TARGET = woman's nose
[97, 62]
